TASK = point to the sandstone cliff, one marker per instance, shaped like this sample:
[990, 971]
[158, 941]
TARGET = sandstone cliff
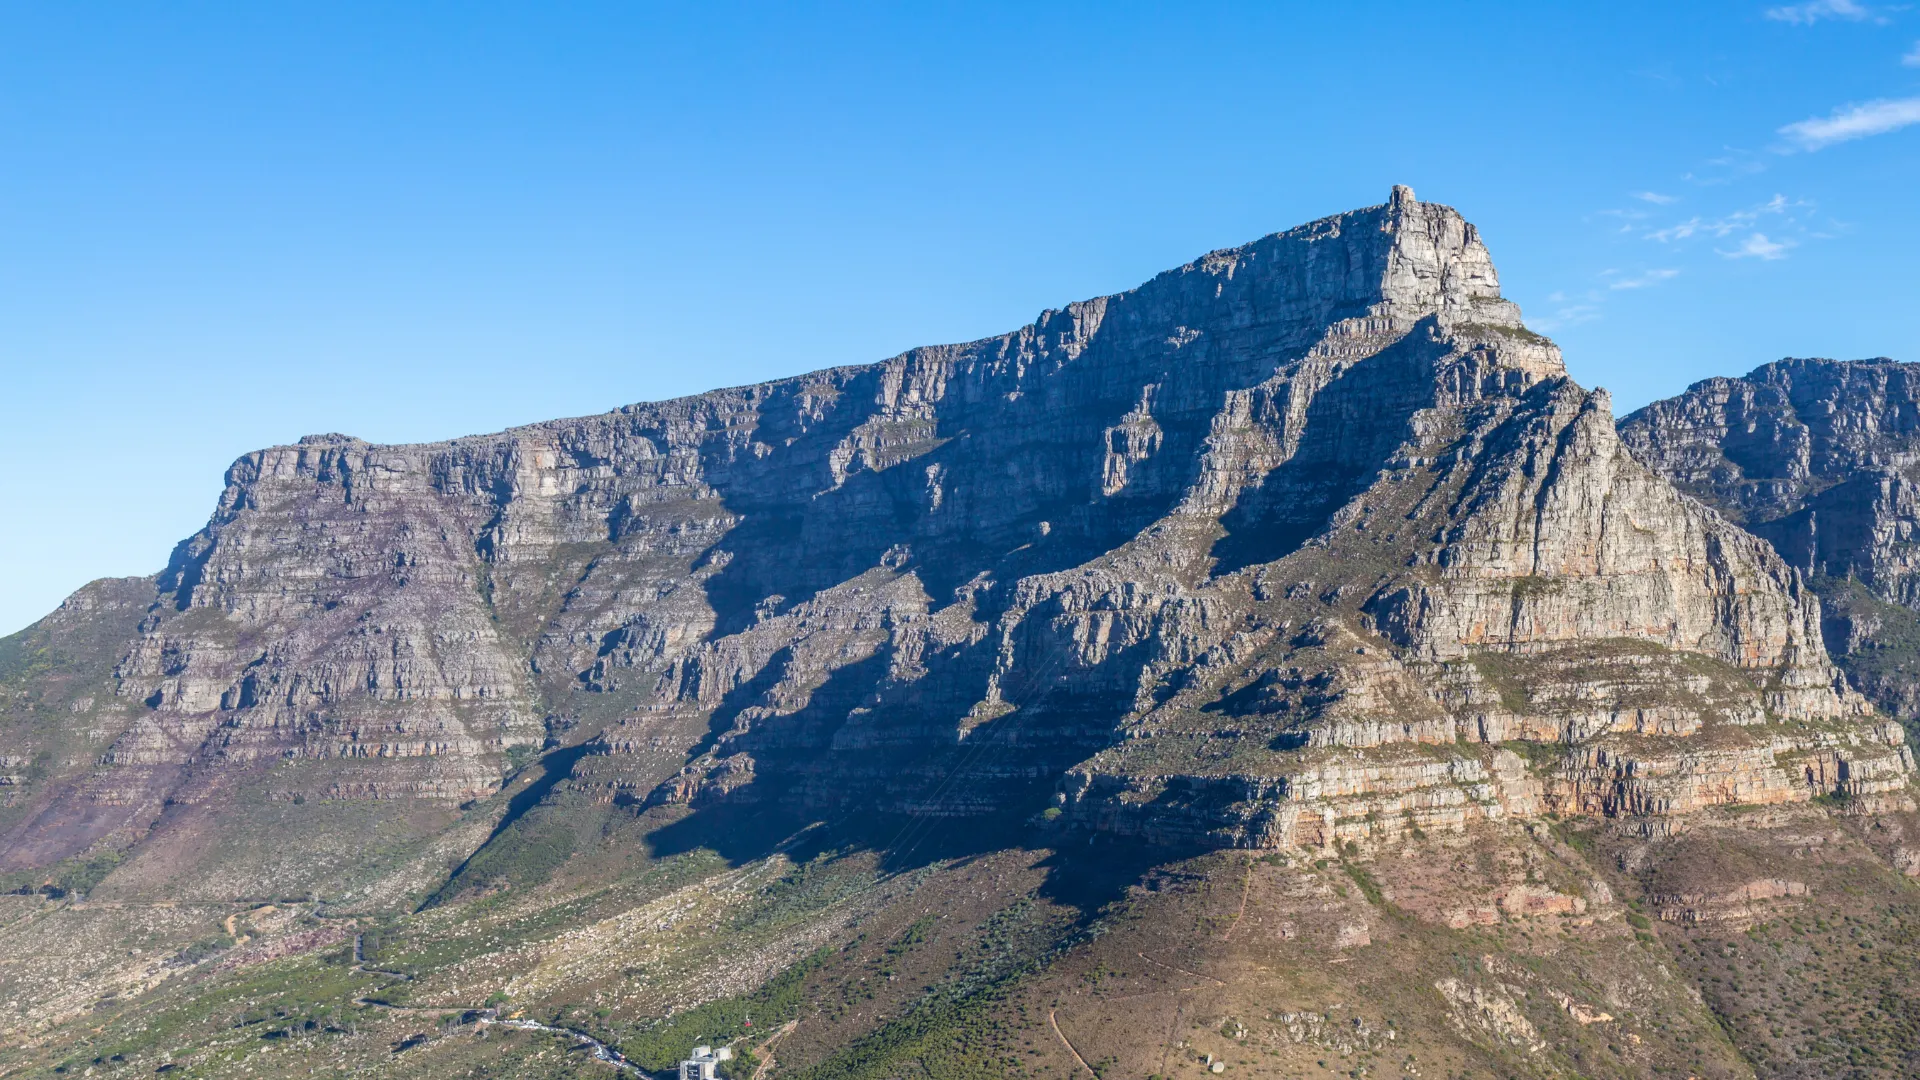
[1307, 540]
[1818, 457]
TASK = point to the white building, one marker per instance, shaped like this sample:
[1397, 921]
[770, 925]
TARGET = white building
[704, 1062]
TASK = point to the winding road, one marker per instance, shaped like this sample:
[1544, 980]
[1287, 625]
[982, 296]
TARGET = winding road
[487, 1016]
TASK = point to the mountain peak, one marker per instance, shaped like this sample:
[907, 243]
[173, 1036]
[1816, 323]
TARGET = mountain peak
[1438, 263]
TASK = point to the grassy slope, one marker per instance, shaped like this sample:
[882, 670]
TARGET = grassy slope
[57, 709]
[1608, 956]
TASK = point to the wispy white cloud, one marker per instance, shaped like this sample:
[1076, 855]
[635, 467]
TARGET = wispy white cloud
[1912, 59]
[1737, 221]
[1757, 246]
[1587, 305]
[1645, 280]
[1677, 232]
[1732, 164]
[1567, 315]
[1631, 220]
[1854, 122]
[1817, 10]
[1787, 222]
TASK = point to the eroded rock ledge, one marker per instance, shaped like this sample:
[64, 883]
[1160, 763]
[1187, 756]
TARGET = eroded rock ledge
[1306, 541]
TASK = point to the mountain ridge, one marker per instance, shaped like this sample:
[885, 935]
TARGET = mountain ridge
[816, 552]
[1304, 567]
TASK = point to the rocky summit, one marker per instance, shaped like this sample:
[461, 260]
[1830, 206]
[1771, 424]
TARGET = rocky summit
[1282, 667]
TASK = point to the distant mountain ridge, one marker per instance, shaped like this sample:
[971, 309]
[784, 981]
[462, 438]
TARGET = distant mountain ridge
[1820, 458]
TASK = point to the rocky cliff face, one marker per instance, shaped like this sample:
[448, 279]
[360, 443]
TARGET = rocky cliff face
[1510, 755]
[1308, 540]
[1820, 458]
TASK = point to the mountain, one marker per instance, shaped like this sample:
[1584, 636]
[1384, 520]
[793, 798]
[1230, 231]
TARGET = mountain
[1279, 666]
[1818, 457]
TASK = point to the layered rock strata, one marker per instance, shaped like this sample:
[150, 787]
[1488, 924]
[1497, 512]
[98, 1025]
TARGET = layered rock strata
[1821, 458]
[1305, 541]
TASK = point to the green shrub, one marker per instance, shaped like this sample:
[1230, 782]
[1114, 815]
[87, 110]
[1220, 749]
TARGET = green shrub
[665, 1042]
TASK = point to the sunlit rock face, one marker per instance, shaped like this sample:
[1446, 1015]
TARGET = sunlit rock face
[1306, 541]
[1820, 457]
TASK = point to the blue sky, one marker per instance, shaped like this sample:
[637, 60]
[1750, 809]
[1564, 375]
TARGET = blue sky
[223, 226]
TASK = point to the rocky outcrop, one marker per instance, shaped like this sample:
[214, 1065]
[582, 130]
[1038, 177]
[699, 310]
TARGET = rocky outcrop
[1819, 457]
[1306, 541]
